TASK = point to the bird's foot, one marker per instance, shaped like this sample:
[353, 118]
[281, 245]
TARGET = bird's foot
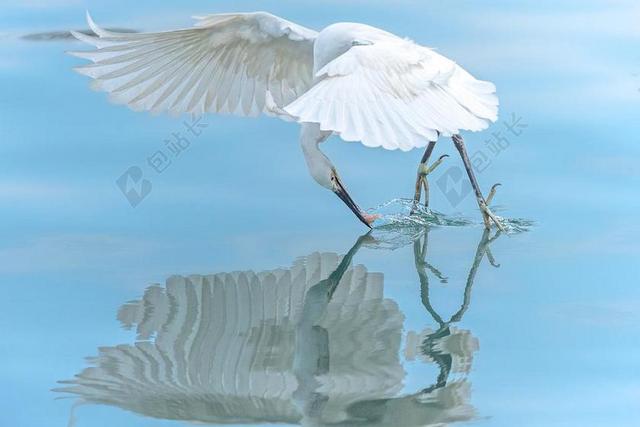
[424, 170]
[492, 193]
[423, 183]
[487, 215]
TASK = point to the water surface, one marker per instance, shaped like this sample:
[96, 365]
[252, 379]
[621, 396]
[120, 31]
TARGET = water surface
[237, 291]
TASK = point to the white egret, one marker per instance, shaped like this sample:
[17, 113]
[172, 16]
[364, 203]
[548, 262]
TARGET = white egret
[359, 82]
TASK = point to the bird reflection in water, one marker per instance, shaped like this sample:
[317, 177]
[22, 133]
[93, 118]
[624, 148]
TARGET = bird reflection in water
[315, 344]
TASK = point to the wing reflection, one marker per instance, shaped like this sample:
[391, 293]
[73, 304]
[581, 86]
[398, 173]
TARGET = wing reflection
[315, 344]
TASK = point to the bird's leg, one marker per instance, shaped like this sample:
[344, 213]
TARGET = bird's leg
[421, 176]
[425, 185]
[487, 215]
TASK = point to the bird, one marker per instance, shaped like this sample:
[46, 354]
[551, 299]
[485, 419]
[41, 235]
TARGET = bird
[349, 79]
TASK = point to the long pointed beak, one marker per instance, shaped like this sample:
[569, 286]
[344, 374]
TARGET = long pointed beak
[346, 198]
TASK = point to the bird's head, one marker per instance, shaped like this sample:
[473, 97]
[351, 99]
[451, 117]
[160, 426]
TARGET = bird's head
[325, 174]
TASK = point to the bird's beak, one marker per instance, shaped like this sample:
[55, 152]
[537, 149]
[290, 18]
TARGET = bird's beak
[346, 198]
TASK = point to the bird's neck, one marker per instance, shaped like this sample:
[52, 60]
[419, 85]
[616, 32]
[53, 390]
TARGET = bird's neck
[310, 138]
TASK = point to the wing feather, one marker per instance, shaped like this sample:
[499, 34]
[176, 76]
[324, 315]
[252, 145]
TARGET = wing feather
[395, 94]
[233, 63]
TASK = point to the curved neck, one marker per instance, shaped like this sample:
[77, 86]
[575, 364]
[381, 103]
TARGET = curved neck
[319, 165]
[311, 136]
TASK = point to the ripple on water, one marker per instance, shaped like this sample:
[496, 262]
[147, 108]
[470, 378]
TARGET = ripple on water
[395, 215]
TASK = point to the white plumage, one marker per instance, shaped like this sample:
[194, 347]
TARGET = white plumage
[231, 63]
[383, 90]
[390, 92]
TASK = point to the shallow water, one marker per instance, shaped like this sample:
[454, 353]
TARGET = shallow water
[237, 291]
[404, 215]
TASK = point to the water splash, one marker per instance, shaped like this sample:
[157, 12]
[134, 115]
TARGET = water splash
[396, 213]
[396, 216]
[513, 225]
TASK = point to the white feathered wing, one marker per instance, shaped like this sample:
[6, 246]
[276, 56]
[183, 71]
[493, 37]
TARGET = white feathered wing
[242, 63]
[395, 94]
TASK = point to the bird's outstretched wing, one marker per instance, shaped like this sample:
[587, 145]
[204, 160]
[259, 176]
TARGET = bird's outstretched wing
[395, 94]
[242, 63]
